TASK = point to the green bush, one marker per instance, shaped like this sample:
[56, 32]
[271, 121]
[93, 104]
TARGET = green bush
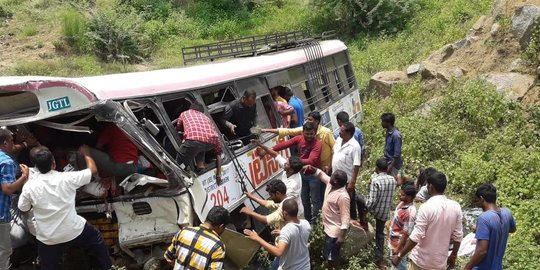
[74, 29]
[116, 36]
[532, 53]
[151, 9]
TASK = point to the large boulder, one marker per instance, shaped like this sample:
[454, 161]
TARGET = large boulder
[523, 22]
[513, 86]
[441, 54]
[500, 7]
[382, 82]
[357, 240]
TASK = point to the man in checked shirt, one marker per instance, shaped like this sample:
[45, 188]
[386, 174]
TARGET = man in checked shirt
[200, 136]
[379, 203]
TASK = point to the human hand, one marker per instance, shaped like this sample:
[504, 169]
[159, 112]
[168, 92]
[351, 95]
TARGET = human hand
[251, 234]
[84, 150]
[396, 260]
[219, 181]
[246, 210]
[31, 141]
[326, 169]
[350, 187]
[232, 127]
[308, 169]
[24, 170]
[260, 152]
[249, 195]
[275, 232]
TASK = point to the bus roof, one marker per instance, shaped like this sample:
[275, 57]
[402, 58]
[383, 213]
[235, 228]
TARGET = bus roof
[136, 84]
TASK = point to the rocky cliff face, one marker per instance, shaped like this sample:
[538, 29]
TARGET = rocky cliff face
[492, 51]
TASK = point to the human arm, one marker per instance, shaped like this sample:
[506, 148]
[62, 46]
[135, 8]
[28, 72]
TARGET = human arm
[373, 195]
[352, 182]
[513, 226]
[318, 173]
[286, 144]
[479, 254]
[258, 217]
[25, 202]
[277, 251]
[170, 253]
[314, 156]
[217, 258]
[266, 149]
[344, 204]
[409, 245]
[179, 123]
[225, 117]
[218, 170]
[397, 152]
[357, 161]
[9, 184]
[90, 163]
[457, 236]
[258, 200]
[417, 234]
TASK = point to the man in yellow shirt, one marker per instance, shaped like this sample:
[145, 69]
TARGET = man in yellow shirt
[312, 189]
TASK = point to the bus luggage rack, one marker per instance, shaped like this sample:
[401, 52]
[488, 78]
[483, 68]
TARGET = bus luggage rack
[248, 46]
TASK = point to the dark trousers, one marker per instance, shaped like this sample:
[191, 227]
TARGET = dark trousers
[352, 196]
[90, 237]
[311, 194]
[192, 149]
[361, 207]
[379, 239]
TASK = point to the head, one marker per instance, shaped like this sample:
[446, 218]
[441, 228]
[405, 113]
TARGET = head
[338, 179]
[277, 190]
[309, 131]
[381, 165]
[436, 183]
[294, 165]
[218, 218]
[315, 118]
[6, 140]
[342, 117]
[346, 131]
[388, 120]
[197, 106]
[284, 92]
[423, 175]
[486, 194]
[44, 160]
[407, 192]
[33, 152]
[249, 99]
[274, 92]
[290, 209]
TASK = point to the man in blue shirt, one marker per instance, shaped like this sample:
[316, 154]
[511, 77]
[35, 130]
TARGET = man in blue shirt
[492, 230]
[342, 118]
[392, 144]
[295, 102]
[9, 184]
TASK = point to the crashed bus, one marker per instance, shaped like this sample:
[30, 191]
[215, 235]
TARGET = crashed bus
[147, 208]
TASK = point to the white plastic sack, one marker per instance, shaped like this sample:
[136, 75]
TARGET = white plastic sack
[468, 245]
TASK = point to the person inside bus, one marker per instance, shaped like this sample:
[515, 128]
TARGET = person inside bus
[296, 103]
[240, 116]
[286, 111]
[121, 156]
[199, 137]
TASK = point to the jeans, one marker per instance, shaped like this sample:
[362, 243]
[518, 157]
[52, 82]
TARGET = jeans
[105, 163]
[403, 263]
[311, 194]
[51, 255]
[379, 239]
[275, 264]
[193, 149]
[5, 245]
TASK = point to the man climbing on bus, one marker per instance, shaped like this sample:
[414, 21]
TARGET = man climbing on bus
[296, 103]
[240, 116]
[199, 137]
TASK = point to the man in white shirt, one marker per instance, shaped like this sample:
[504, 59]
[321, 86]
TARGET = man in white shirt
[292, 242]
[51, 194]
[347, 157]
[291, 177]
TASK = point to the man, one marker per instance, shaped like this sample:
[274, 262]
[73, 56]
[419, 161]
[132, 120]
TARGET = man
[291, 177]
[240, 116]
[9, 184]
[310, 185]
[421, 184]
[295, 102]
[342, 118]
[121, 157]
[292, 242]
[392, 144]
[286, 111]
[335, 212]
[199, 137]
[200, 248]
[492, 230]
[403, 222]
[379, 202]
[51, 194]
[438, 220]
[347, 157]
[278, 193]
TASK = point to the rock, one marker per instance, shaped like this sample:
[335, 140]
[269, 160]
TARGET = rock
[462, 43]
[414, 69]
[444, 75]
[500, 7]
[517, 65]
[382, 82]
[513, 86]
[425, 109]
[357, 239]
[495, 28]
[479, 23]
[441, 54]
[429, 71]
[523, 22]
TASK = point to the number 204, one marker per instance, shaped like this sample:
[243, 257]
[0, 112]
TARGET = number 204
[219, 198]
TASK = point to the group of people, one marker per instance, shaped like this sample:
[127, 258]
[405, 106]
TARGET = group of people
[321, 180]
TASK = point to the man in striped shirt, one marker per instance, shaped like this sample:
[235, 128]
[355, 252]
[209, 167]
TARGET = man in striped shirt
[379, 203]
[200, 248]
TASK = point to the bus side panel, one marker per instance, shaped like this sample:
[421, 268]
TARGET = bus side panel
[206, 193]
[349, 103]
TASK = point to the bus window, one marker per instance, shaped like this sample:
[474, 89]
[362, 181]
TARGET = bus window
[338, 84]
[301, 90]
[350, 77]
[224, 94]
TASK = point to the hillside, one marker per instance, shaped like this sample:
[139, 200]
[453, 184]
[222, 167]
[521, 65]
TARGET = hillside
[451, 119]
